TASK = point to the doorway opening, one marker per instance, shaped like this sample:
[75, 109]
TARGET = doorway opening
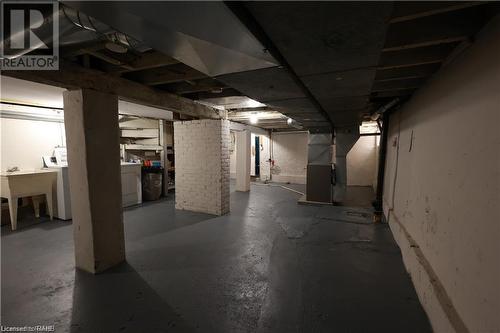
[257, 156]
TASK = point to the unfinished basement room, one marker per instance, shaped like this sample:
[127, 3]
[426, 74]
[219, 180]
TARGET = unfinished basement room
[250, 166]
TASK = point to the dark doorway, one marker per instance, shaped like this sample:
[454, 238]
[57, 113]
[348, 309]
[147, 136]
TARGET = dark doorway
[257, 156]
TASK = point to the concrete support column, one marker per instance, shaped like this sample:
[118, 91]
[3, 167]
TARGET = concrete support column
[202, 166]
[92, 139]
[345, 138]
[243, 147]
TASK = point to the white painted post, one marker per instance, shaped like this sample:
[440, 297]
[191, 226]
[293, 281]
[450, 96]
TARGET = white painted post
[92, 139]
[243, 161]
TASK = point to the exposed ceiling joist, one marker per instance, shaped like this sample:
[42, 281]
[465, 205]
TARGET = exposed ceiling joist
[438, 28]
[71, 76]
[436, 8]
[426, 43]
[408, 71]
[109, 59]
[414, 57]
[406, 65]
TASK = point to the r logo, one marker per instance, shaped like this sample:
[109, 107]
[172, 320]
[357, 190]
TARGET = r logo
[21, 28]
[30, 35]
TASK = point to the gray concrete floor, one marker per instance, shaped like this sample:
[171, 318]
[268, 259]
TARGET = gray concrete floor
[269, 266]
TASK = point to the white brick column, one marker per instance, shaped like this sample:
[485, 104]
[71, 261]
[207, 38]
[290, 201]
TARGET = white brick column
[202, 166]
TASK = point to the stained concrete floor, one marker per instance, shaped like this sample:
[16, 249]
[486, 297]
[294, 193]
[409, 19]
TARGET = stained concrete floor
[269, 266]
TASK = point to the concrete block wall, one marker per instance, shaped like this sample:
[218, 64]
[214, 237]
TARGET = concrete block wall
[290, 156]
[202, 166]
[442, 189]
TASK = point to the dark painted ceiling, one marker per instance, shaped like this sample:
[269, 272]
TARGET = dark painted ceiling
[324, 64]
[353, 57]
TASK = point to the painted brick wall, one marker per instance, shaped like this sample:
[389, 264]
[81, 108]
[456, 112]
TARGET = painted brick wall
[202, 166]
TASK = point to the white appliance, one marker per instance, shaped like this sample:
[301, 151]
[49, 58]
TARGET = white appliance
[130, 179]
[131, 184]
[62, 202]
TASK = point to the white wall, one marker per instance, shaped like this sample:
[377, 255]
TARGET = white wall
[265, 155]
[24, 142]
[362, 162]
[442, 189]
[289, 151]
[265, 166]
[232, 155]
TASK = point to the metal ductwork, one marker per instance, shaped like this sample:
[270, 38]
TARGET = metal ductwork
[203, 35]
[319, 168]
[345, 138]
[76, 28]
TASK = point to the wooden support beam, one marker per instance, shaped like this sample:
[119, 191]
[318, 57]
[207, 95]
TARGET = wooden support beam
[71, 76]
[166, 74]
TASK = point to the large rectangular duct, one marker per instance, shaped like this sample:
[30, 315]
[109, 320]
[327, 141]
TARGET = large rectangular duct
[319, 168]
[345, 138]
